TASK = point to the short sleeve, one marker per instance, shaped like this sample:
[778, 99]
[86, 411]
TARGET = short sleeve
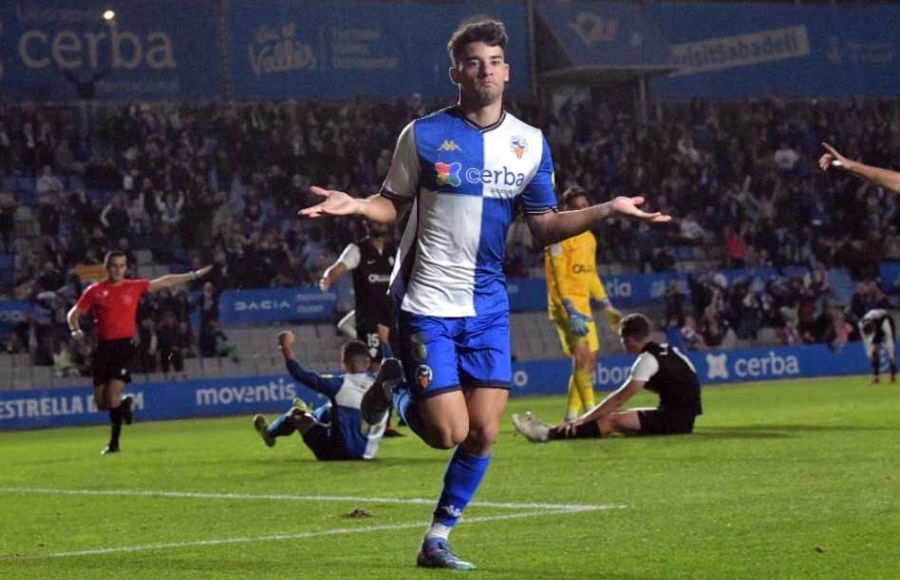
[86, 301]
[402, 180]
[350, 257]
[539, 195]
[142, 285]
[644, 367]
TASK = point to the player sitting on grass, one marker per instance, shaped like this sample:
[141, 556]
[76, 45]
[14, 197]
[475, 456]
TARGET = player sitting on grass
[659, 368]
[336, 429]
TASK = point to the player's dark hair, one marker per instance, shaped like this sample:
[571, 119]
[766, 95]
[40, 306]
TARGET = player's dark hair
[635, 326]
[573, 193]
[355, 355]
[490, 32]
[112, 254]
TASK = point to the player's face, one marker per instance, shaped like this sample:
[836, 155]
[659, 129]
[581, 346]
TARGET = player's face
[481, 73]
[116, 268]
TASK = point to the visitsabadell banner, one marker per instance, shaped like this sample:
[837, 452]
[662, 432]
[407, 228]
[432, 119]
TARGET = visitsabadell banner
[39, 408]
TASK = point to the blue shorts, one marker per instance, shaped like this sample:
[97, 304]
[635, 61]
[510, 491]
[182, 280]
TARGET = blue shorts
[448, 354]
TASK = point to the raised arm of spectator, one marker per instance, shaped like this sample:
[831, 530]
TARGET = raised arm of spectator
[324, 384]
[104, 213]
[879, 176]
[348, 260]
[551, 227]
[170, 280]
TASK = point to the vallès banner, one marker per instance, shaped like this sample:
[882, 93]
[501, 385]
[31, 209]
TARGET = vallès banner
[66, 50]
[731, 50]
[271, 394]
[274, 305]
[300, 49]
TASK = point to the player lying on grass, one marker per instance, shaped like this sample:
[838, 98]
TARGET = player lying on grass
[877, 175]
[659, 368]
[336, 429]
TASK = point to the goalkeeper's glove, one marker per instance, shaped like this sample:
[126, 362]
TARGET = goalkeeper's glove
[578, 322]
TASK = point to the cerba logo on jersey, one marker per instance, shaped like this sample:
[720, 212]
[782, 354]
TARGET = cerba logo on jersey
[449, 174]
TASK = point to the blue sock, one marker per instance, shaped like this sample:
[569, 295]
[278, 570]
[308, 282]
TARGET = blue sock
[408, 410]
[461, 480]
[281, 426]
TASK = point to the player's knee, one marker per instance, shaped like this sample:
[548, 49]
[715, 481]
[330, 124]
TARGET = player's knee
[447, 436]
[481, 439]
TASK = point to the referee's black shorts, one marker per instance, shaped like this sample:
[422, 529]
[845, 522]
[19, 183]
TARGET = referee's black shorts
[666, 422]
[113, 360]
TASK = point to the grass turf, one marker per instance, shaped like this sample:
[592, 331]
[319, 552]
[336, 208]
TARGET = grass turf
[780, 480]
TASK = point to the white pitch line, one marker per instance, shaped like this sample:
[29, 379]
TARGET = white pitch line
[289, 497]
[283, 537]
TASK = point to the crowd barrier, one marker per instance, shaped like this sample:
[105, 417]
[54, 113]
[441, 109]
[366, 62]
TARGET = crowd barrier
[38, 408]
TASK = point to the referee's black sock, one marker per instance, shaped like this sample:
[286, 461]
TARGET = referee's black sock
[115, 418]
[586, 431]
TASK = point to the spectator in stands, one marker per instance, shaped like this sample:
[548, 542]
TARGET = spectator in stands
[213, 341]
[48, 184]
[147, 346]
[171, 347]
[115, 219]
[690, 338]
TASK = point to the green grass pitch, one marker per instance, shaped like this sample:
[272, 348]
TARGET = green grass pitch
[781, 480]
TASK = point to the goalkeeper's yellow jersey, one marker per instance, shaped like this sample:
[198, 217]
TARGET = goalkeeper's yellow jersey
[571, 270]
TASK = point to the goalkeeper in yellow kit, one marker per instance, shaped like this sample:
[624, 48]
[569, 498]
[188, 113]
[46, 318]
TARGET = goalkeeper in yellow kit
[572, 281]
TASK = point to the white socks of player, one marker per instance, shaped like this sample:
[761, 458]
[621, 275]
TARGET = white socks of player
[438, 530]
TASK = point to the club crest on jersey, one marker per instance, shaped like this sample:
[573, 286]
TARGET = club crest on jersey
[519, 146]
[449, 145]
[448, 173]
[424, 375]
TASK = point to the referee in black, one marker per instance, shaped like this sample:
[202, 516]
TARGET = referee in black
[659, 368]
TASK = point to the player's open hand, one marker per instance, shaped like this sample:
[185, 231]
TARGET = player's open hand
[628, 206]
[336, 203]
[286, 339]
[831, 158]
[567, 429]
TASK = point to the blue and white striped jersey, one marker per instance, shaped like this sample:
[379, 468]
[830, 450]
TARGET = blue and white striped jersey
[466, 183]
[345, 393]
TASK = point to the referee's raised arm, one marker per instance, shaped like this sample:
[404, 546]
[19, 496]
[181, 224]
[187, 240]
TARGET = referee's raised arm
[170, 280]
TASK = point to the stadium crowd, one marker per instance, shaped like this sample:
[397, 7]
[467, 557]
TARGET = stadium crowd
[221, 182]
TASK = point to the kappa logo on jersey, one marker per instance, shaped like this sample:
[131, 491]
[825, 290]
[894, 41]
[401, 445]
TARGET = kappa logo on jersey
[718, 366]
[449, 145]
[448, 173]
[519, 146]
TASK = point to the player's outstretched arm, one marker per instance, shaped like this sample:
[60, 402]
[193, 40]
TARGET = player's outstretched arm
[879, 176]
[306, 378]
[613, 402]
[375, 208]
[552, 227]
[170, 280]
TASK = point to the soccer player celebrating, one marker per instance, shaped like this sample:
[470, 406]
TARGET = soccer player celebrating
[113, 302]
[572, 280]
[876, 175]
[335, 430]
[659, 368]
[462, 173]
[877, 329]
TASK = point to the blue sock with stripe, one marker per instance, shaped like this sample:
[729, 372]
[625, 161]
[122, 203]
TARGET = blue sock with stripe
[282, 426]
[408, 410]
[461, 480]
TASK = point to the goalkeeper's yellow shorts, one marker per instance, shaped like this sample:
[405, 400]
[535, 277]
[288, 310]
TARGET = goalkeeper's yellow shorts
[569, 339]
